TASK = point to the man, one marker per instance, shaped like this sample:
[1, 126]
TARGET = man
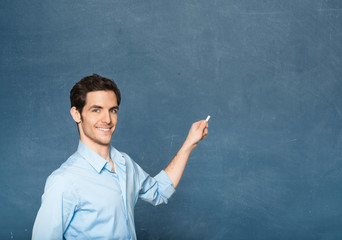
[93, 194]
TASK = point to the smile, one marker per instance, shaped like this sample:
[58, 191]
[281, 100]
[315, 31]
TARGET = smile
[104, 129]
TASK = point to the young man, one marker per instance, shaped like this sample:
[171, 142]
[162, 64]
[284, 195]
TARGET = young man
[93, 194]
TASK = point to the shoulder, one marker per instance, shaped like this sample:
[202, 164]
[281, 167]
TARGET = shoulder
[56, 181]
[60, 188]
[126, 156]
[124, 159]
[121, 157]
[62, 177]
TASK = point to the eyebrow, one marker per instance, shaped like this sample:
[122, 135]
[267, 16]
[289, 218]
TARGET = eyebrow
[99, 107]
[95, 106]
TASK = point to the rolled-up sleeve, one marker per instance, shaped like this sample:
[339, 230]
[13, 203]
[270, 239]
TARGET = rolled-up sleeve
[155, 190]
[165, 184]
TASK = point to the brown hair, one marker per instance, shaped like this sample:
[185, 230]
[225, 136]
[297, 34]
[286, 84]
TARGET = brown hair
[91, 83]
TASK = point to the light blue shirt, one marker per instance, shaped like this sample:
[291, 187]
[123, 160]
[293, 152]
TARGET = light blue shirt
[84, 199]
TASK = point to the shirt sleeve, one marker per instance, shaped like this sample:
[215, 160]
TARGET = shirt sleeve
[59, 202]
[155, 190]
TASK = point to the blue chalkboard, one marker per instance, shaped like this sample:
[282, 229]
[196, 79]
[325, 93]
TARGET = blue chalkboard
[268, 72]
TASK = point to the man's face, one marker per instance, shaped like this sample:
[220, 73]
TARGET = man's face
[99, 118]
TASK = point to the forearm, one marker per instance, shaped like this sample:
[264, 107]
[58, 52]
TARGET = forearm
[176, 167]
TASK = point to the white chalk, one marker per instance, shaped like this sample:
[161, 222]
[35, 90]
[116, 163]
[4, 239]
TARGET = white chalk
[208, 118]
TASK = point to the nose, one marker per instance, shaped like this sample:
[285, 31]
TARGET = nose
[106, 117]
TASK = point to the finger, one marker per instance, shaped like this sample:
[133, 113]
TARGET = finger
[203, 124]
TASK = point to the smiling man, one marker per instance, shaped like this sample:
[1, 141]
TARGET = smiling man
[93, 194]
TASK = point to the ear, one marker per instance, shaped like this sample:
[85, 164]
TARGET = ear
[75, 115]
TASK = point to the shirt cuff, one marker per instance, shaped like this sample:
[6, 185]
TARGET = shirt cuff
[165, 184]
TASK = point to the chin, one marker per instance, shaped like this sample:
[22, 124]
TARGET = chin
[104, 142]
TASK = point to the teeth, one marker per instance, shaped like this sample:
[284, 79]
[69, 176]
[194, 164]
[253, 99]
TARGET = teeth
[104, 129]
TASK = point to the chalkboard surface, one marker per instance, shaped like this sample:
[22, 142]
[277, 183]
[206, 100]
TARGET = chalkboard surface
[268, 72]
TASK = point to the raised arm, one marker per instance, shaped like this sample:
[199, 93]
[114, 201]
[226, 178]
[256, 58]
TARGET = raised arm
[174, 170]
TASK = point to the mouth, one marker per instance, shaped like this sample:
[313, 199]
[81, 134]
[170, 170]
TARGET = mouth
[104, 129]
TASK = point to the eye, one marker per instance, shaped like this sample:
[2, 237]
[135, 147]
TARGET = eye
[114, 110]
[96, 110]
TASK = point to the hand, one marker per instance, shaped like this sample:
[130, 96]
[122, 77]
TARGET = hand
[198, 131]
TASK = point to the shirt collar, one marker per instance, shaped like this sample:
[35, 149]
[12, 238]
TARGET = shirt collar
[95, 160]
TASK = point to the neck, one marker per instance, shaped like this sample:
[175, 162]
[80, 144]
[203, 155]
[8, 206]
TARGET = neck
[101, 150]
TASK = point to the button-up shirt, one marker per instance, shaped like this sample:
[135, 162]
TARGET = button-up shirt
[85, 199]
